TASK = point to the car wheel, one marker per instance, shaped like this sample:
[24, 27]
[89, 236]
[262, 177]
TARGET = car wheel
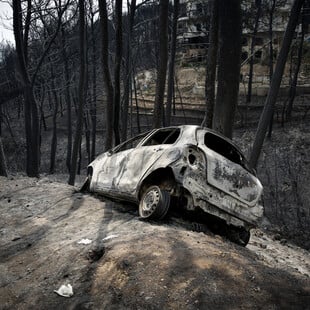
[154, 203]
[239, 235]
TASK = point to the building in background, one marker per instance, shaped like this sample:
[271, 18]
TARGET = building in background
[192, 34]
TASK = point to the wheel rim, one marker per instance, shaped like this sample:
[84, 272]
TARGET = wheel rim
[150, 202]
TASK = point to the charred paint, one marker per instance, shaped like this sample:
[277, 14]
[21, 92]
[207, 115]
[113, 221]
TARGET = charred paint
[186, 167]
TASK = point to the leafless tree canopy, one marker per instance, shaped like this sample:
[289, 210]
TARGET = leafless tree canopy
[94, 73]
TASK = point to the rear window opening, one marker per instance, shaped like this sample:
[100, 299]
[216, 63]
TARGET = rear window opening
[224, 148]
[163, 136]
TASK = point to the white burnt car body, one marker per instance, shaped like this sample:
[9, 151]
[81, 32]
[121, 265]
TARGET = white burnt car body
[205, 170]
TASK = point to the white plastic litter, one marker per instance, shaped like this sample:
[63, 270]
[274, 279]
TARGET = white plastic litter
[109, 237]
[85, 241]
[65, 290]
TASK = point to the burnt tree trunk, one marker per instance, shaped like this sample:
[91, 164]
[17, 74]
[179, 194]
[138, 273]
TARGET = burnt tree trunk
[162, 64]
[170, 87]
[87, 135]
[137, 106]
[32, 123]
[106, 74]
[55, 112]
[3, 166]
[251, 63]
[270, 33]
[1, 118]
[229, 66]
[79, 123]
[68, 99]
[275, 83]
[128, 71]
[294, 80]
[211, 66]
[93, 109]
[117, 69]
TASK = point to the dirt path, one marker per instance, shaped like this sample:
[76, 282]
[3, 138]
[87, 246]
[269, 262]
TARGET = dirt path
[132, 264]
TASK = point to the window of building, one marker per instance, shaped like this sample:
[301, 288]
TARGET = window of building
[258, 54]
[258, 41]
[244, 56]
[198, 27]
[244, 41]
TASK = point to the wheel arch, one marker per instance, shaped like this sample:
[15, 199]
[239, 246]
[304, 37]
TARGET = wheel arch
[162, 177]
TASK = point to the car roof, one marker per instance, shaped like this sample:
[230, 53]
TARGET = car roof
[193, 127]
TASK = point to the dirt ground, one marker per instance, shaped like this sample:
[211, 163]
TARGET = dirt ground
[130, 263]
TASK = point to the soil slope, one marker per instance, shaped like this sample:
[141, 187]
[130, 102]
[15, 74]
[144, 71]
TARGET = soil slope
[133, 264]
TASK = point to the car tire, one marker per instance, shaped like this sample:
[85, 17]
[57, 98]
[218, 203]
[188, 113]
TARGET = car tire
[154, 203]
[239, 235]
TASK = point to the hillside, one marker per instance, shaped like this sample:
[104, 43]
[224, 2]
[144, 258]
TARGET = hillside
[133, 264]
[283, 166]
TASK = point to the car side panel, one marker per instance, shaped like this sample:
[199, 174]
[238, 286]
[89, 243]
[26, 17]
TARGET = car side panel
[232, 178]
[138, 162]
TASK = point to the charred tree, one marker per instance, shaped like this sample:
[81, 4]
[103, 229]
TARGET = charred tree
[270, 34]
[3, 166]
[87, 135]
[128, 70]
[32, 123]
[251, 61]
[117, 69]
[211, 66]
[1, 118]
[22, 26]
[162, 64]
[67, 97]
[109, 88]
[228, 66]
[55, 112]
[275, 83]
[93, 109]
[294, 79]
[171, 69]
[81, 98]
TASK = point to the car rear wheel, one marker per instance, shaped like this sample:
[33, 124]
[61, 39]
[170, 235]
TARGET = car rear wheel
[154, 203]
[239, 235]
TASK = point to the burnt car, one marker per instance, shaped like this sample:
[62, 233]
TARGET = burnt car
[200, 168]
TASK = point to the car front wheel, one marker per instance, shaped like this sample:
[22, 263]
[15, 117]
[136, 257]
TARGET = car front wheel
[154, 203]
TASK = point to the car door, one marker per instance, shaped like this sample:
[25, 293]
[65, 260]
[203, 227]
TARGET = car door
[111, 169]
[137, 163]
[142, 158]
[114, 163]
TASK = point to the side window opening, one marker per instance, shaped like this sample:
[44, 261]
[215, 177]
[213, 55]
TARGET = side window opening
[224, 148]
[130, 144]
[166, 136]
